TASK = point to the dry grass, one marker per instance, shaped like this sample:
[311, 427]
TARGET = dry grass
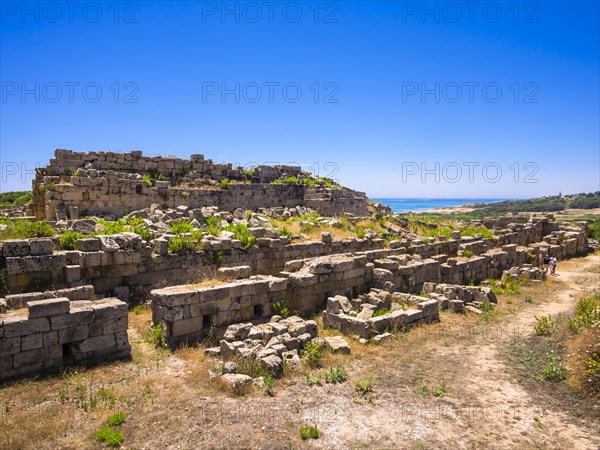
[171, 403]
[580, 349]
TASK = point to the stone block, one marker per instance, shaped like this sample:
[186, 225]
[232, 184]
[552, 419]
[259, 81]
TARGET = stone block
[10, 346]
[111, 309]
[47, 308]
[73, 334]
[187, 326]
[40, 247]
[97, 343]
[72, 273]
[32, 341]
[15, 248]
[88, 245]
[30, 357]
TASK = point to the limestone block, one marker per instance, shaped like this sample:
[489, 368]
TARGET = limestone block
[107, 341]
[338, 344]
[47, 308]
[72, 273]
[88, 245]
[40, 247]
[15, 247]
[187, 326]
[73, 334]
[30, 357]
[110, 309]
[10, 346]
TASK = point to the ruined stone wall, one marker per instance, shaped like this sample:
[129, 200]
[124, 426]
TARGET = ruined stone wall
[104, 183]
[52, 333]
[110, 262]
[188, 313]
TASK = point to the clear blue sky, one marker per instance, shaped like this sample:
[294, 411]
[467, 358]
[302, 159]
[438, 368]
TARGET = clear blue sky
[374, 58]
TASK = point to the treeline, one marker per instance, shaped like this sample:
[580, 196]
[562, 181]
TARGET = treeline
[9, 199]
[543, 204]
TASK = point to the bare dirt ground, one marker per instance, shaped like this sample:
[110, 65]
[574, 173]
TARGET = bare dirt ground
[450, 385]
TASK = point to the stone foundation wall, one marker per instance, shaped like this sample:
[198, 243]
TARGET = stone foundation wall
[127, 263]
[56, 332]
[104, 183]
[188, 313]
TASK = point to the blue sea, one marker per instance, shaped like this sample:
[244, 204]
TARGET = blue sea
[422, 204]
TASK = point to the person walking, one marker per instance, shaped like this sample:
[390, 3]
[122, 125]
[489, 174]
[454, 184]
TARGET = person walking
[553, 262]
[546, 263]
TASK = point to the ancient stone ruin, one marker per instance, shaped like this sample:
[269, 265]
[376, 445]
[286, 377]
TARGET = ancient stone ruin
[231, 266]
[101, 183]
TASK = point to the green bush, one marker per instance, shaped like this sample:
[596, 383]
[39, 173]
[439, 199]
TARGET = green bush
[224, 183]
[439, 390]
[278, 308]
[143, 232]
[181, 227]
[249, 175]
[181, 244]
[112, 227]
[23, 229]
[312, 353]
[380, 312]
[291, 180]
[286, 232]
[587, 313]
[68, 240]
[364, 386]
[554, 370]
[467, 253]
[213, 225]
[309, 432]
[336, 374]
[242, 234]
[112, 437]
[116, 419]
[545, 326]
[147, 179]
[156, 336]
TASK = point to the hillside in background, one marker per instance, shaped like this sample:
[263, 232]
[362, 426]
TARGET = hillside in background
[543, 204]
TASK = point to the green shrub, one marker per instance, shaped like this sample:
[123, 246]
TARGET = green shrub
[336, 374]
[380, 312]
[224, 183]
[147, 179]
[181, 244]
[286, 232]
[113, 227]
[24, 229]
[545, 326]
[112, 437]
[242, 234]
[68, 240]
[309, 432]
[181, 227]
[439, 390]
[278, 308]
[364, 386]
[291, 180]
[467, 253]
[360, 232]
[312, 353]
[143, 232]
[554, 370]
[213, 225]
[156, 336]
[249, 175]
[313, 378]
[116, 419]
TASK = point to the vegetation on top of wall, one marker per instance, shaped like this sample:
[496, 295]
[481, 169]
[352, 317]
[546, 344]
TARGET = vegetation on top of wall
[23, 229]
